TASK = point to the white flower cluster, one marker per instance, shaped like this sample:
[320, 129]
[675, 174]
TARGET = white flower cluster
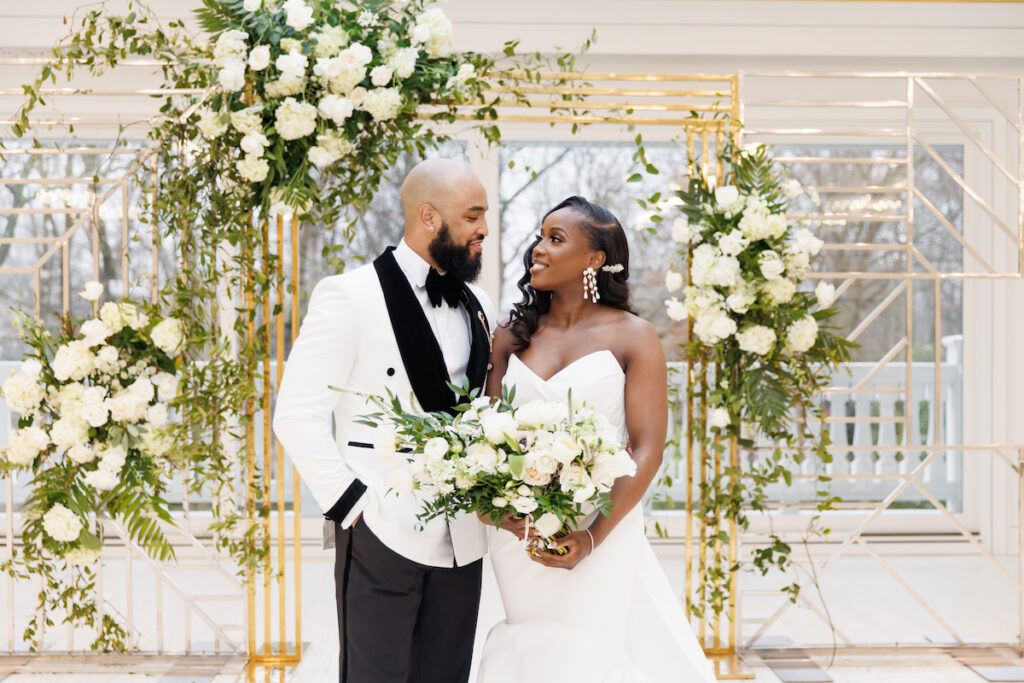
[101, 399]
[752, 260]
[541, 459]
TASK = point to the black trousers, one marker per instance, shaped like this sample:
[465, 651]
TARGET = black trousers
[400, 621]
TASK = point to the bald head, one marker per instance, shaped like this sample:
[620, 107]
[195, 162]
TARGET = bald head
[436, 182]
[444, 207]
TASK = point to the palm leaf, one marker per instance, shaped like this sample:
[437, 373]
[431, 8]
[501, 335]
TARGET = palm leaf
[217, 16]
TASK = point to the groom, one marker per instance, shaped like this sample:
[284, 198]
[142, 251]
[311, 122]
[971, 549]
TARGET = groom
[410, 322]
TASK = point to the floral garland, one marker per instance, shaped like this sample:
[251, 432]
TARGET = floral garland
[758, 337]
[94, 439]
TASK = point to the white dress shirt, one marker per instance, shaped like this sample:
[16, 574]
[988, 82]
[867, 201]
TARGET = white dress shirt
[451, 327]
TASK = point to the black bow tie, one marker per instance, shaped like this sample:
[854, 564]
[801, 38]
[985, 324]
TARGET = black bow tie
[446, 287]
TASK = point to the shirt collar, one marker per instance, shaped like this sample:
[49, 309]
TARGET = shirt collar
[412, 264]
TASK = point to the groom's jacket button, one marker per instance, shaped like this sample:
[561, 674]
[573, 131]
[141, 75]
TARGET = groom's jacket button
[391, 372]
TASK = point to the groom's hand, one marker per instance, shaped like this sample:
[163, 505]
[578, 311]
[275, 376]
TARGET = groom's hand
[576, 545]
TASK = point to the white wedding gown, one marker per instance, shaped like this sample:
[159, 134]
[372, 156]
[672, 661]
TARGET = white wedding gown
[612, 619]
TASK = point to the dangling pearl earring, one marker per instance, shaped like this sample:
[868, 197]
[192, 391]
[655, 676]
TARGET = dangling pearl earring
[590, 285]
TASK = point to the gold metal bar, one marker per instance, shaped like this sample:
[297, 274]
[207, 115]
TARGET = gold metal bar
[734, 598]
[718, 510]
[719, 144]
[267, 447]
[702, 535]
[44, 151]
[853, 217]
[77, 121]
[635, 120]
[250, 434]
[705, 137]
[60, 92]
[994, 102]
[57, 181]
[296, 489]
[279, 355]
[825, 275]
[908, 410]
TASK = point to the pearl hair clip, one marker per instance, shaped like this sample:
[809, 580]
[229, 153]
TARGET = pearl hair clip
[614, 268]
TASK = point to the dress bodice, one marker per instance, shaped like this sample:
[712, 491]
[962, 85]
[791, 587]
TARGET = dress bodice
[596, 379]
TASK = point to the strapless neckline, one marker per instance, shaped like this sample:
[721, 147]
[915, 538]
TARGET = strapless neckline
[577, 361]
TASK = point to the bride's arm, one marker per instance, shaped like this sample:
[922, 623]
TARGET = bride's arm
[646, 421]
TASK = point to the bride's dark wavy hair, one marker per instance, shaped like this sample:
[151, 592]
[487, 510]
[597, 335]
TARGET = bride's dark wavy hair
[604, 233]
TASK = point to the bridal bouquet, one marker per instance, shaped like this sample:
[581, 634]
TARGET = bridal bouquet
[93, 436]
[551, 461]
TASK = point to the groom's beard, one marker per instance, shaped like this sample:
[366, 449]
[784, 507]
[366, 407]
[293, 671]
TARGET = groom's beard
[454, 259]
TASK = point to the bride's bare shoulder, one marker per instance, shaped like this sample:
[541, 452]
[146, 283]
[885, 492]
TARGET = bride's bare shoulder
[636, 334]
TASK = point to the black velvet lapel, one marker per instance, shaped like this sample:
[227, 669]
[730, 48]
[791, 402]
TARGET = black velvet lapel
[421, 354]
[480, 341]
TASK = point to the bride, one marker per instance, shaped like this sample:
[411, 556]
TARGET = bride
[603, 611]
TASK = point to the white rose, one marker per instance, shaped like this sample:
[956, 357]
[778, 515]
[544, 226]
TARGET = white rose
[524, 505]
[142, 389]
[675, 309]
[167, 386]
[727, 197]
[61, 524]
[101, 479]
[81, 454]
[802, 334]
[123, 407]
[254, 143]
[681, 231]
[112, 458]
[252, 5]
[229, 45]
[499, 502]
[534, 477]
[434, 30]
[719, 418]
[248, 120]
[673, 281]
[26, 444]
[754, 224]
[259, 58]
[771, 265]
[110, 312]
[95, 414]
[295, 119]
[610, 466]
[292, 65]
[168, 335]
[92, 292]
[732, 243]
[780, 290]
[420, 34]
[535, 414]
[133, 316]
[548, 524]
[94, 332]
[542, 460]
[380, 76]
[357, 54]
[299, 14]
[756, 339]
[253, 168]
[498, 426]
[382, 104]
[564, 448]
[805, 240]
[335, 108]
[825, 293]
[232, 75]
[712, 325]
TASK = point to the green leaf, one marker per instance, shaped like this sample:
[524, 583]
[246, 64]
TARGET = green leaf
[515, 464]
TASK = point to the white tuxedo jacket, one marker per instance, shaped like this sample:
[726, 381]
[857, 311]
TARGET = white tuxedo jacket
[366, 331]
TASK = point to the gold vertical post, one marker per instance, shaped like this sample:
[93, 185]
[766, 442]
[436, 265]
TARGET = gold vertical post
[296, 490]
[279, 355]
[250, 459]
[718, 514]
[688, 552]
[702, 406]
[267, 454]
[734, 462]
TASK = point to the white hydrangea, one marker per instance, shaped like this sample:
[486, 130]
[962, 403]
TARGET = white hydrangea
[299, 15]
[703, 260]
[292, 65]
[168, 335]
[283, 87]
[802, 334]
[25, 444]
[73, 360]
[780, 290]
[295, 119]
[112, 458]
[713, 325]
[232, 75]
[133, 316]
[85, 556]
[825, 292]
[329, 41]
[106, 359]
[61, 524]
[253, 168]
[110, 314]
[156, 442]
[101, 479]
[775, 225]
[68, 432]
[212, 124]
[382, 104]
[404, 61]
[771, 265]
[798, 262]
[673, 281]
[756, 339]
[329, 148]
[230, 45]
[23, 391]
[434, 30]
[335, 108]
[248, 120]
[725, 272]
[741, 299]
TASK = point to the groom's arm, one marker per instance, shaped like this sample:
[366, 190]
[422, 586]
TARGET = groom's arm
[323, 356]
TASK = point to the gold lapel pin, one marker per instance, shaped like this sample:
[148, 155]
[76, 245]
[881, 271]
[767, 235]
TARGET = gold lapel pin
[487, 332]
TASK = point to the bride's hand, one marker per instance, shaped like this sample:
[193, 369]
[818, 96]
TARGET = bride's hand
[577, 547]
[510, 522]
